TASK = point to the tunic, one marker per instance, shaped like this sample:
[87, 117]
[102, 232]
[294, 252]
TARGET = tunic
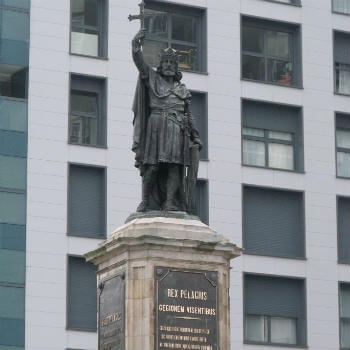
[167, 127]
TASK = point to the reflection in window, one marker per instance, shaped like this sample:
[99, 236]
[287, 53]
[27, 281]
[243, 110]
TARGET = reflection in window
[13, 81]
[88, 27]
[342, 62]
[343, 152]
[87, 116]
[179, 31]
[341, 6]
[268, 148]
[268, 55]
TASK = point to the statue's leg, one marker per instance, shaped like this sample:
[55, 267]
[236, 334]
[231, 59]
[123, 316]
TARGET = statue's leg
[173, 183]
[148, 181]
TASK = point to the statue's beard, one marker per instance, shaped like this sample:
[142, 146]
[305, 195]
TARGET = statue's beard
[168, 73]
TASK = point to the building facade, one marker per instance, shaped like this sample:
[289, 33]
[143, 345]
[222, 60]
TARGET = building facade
[270, 81]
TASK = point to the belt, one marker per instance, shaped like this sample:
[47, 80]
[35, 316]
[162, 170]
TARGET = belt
[174, 116]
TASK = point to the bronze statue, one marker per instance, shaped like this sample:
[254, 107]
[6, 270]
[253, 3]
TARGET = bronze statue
[166, 142]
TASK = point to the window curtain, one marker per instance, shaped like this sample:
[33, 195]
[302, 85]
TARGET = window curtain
[342, 6]
[283, 330]
[278, 44]
[344, 79]
[254, 152]
[256, 328]
[281, 156]
[343, 164]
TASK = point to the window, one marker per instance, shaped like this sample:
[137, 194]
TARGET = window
[341, 6]
[199, 109]
[89, 27]
[272, 136]
[14, 49]
[273, 222]
[342, 62]
[273, 149]
[182, 28]
[202, 200]
[86, 201]
[274, 310]
[13, 152]
[11, 317]
[344, 308]
[343, 144]
[271, 52]
[87, 111]
[82, 295]
[343, 230]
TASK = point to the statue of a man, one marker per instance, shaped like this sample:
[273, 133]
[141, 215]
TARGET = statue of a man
[166, 142]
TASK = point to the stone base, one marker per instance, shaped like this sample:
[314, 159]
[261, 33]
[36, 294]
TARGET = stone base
[162, 214]
[144, 251]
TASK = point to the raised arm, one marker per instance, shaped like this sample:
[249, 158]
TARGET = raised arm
[137, 55]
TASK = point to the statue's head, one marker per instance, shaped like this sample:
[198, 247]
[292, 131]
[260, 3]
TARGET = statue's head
[169, 64]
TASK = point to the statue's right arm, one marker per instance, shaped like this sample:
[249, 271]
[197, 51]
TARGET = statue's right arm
[137, 55]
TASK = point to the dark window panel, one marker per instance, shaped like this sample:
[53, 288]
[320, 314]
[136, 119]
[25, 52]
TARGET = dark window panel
[344, 230]
[82, 295]
[273, 222]
[199, 110]
[202, 201]
[86, 202]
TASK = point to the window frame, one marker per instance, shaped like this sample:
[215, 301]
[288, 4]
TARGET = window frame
[340, 285]
[104, 168]
[101, 117]
[295, 47]
[340, 149]
[200, 13]
[337, 12]
[267, 141]
[296, 3]
[335, 63]
[298, 329]
[102, 30]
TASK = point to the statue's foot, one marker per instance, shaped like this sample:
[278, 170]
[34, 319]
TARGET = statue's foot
[142, 206]
[170, 206]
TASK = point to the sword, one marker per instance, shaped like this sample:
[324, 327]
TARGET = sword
[140, 16]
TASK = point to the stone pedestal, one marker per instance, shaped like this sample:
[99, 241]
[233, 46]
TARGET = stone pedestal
[163, 283]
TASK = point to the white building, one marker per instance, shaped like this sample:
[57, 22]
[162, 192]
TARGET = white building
[272, 81]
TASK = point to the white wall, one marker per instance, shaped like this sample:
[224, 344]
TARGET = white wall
[49, 153]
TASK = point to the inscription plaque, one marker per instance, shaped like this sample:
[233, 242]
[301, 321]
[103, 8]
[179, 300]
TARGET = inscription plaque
[186, 309]
[111, 320]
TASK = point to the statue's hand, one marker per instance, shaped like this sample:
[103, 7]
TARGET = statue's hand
[139, 38]
[197, 141]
